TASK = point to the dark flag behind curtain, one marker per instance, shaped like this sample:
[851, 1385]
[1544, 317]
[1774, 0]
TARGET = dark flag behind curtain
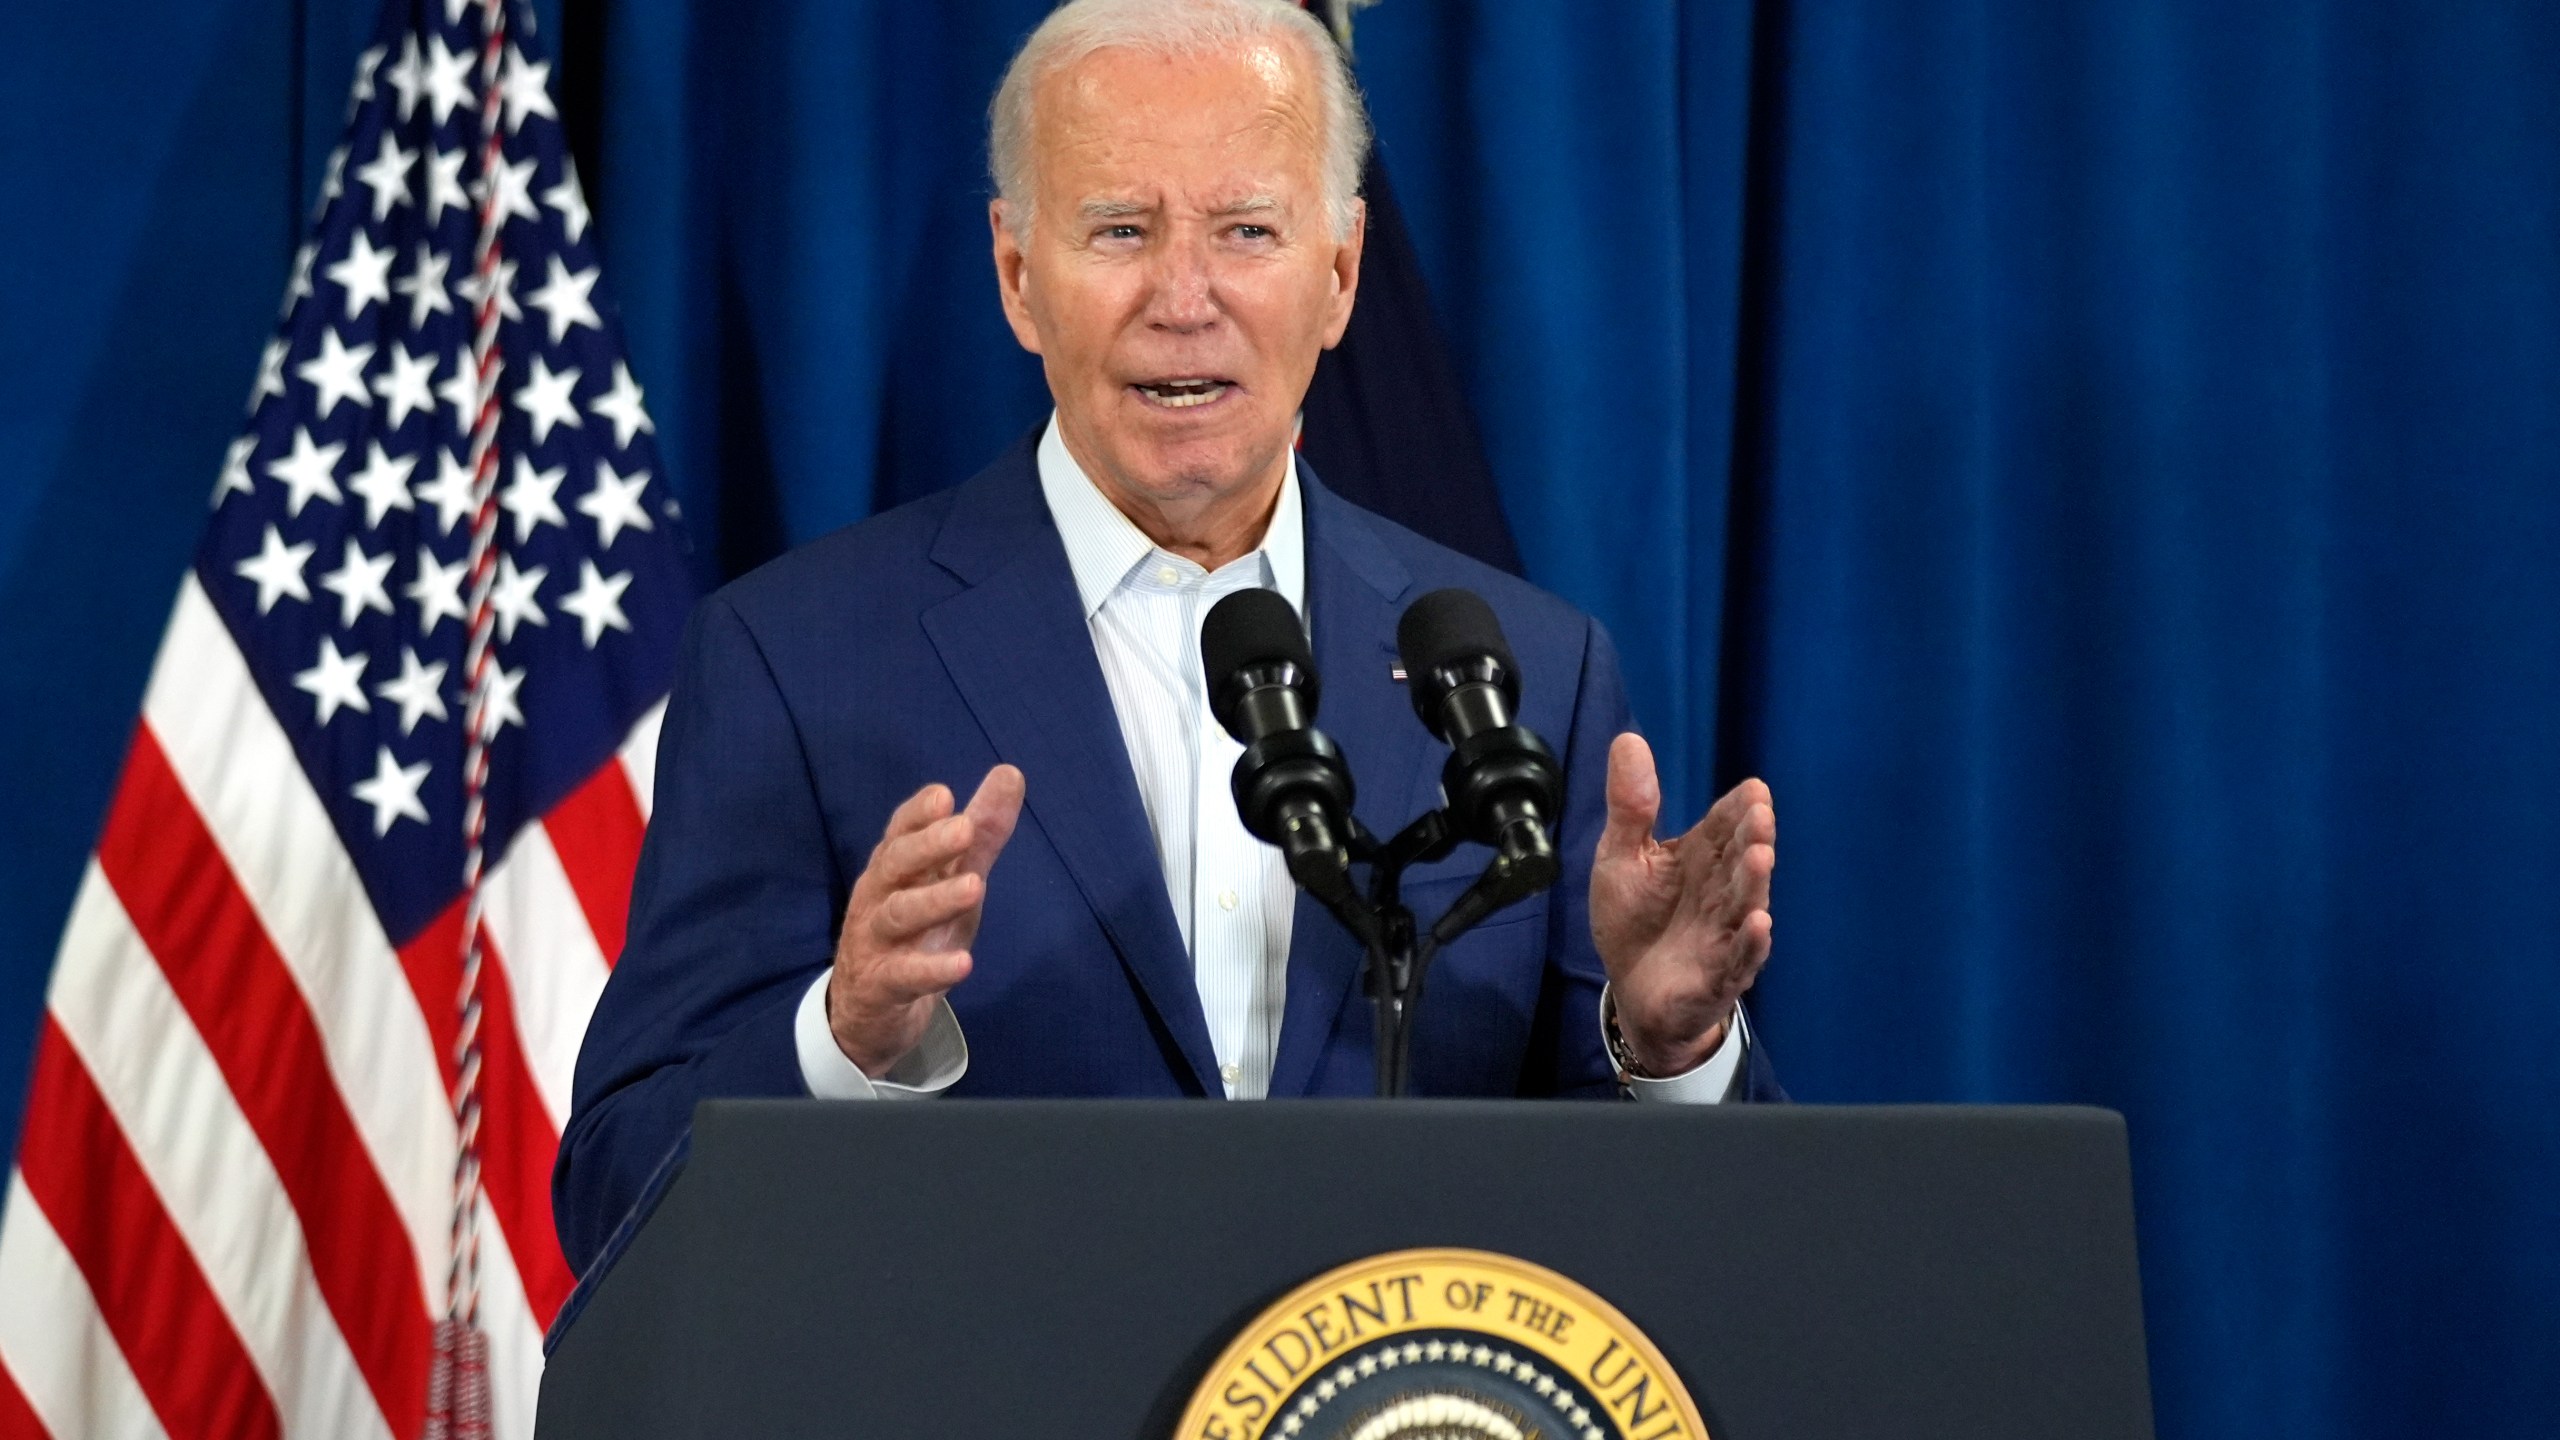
[1386, 422]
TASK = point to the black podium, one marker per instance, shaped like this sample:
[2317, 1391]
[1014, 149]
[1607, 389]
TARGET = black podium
[1070, 1269]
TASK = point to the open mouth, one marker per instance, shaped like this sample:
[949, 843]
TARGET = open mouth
[1183, 394]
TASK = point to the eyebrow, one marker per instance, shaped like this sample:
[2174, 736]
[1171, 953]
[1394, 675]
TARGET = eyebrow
[1255, 204]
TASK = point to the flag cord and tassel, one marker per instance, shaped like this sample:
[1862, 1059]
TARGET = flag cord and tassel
[458, 1386]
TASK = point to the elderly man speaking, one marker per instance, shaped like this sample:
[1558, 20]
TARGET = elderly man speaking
[1177, 235]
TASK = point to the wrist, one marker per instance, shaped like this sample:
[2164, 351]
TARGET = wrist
[866, 1057]
[1647, 1054]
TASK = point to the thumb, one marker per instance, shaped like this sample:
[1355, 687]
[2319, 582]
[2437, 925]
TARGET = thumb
[993, 812]
[1635, 799]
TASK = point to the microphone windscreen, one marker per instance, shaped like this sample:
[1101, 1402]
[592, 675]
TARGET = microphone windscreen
[1251, 627]
[1447, 626]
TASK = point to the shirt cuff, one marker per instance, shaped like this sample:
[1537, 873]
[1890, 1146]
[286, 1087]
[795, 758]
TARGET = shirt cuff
[937, 1062]
[1709, 1082]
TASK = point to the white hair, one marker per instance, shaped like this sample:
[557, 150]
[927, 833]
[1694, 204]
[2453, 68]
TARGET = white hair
[1176, 27]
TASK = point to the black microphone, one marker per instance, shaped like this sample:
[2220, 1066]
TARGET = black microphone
[1502, 784]
[1291, 786]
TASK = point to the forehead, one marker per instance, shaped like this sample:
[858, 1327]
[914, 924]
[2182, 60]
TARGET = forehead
[1123, 119]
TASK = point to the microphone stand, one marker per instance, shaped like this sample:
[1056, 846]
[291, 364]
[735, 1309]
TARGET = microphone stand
[1400, 953]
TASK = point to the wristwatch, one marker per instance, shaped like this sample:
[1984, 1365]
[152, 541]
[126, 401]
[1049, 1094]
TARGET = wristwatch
[1622, 1058]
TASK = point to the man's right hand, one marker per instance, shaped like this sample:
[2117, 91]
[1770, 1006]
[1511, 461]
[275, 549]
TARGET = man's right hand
[913, 914]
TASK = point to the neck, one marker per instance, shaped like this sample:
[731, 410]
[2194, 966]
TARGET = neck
[1212, 529]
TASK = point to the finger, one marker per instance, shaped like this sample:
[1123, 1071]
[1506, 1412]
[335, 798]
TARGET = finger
[906, 914]
[917, 811]
[1635, 799]
[1751, 872]
[904, 976]
[917, 856]
[1752, 944]
[1725, 816]
[993, 811]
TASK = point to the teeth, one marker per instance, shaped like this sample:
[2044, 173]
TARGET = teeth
[1183, 394]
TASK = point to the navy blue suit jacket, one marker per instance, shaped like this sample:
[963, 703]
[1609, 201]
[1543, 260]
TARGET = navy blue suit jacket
[929, 643]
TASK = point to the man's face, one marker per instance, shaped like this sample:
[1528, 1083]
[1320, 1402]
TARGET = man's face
[1180, 275]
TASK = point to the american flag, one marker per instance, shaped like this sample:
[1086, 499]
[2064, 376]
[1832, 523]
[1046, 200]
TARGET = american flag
[248, 1190]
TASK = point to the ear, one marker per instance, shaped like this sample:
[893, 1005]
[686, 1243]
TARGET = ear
[1013, 278]
[1346, 275]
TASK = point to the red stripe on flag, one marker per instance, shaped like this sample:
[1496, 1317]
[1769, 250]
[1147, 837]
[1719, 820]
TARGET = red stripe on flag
[517, 1141]
[596, 832]
[188, 908]
[18, 1419]
[154, 1298]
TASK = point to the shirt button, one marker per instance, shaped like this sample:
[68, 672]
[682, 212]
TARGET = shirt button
[1166, 574]
[1231, 1073]
[1228, 899]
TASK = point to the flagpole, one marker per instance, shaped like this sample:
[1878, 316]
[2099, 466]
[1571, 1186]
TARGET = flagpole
[458, 1396]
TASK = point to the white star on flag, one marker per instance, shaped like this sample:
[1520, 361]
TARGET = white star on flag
[277, 569]
[513, 186]
[563, 298]
[448, 78]
[419, 691]
[235, 469]
[335, 683]
[387, 176]
[449, 492]
[309, 473]
[545, 399]
[461, 390]
[571, 201]
[336, 373]
[502, 712]
[437, 591]
[404, 386]
[621, 405]
[383, 483]
[357, 582]
[525, 89]
[532, 498]
[444, 185]
[513, 598]
[469, 286]
[365, 274]
[407, 75]
[270, 372]
[424, 285]
[614, 503]
[597, 602]
[393, 791]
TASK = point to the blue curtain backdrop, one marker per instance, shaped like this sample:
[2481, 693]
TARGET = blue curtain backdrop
[2100, 461]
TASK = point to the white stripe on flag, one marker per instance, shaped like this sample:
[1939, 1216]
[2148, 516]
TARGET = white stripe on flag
[55, 1343]
[515, 1342]
[204, 1160]
[640, 756]
[249, 787]
[552, 962]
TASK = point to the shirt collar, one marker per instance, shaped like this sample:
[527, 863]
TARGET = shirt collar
[1103, 546]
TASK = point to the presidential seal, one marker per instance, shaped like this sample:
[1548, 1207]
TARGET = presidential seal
[1441, 1345]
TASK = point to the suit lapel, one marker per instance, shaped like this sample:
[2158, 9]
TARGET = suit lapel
[1354, 589]
[1016, 646]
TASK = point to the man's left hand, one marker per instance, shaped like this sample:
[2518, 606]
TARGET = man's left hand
[1682, 925]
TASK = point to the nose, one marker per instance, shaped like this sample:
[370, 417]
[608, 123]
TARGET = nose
[1183, 296]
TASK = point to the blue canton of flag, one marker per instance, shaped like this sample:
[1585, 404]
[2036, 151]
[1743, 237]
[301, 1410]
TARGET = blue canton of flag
[338, 551]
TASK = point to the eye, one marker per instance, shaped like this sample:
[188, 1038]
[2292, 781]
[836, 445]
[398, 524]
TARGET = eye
[1118, 232]
[1253, 232]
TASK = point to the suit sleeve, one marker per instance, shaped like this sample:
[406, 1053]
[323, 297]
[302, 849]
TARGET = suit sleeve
[733, 913]
[1566, 1057]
